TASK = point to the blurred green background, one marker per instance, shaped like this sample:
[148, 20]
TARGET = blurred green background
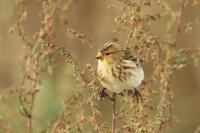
[94, 19]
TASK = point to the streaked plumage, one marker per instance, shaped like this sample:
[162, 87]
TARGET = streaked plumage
[118, 69]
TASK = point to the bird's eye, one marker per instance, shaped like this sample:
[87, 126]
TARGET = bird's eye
[107, 53]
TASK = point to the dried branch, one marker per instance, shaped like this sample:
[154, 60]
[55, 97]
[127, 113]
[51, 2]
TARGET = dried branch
[113, 113]
[127, 41]
[179, 20]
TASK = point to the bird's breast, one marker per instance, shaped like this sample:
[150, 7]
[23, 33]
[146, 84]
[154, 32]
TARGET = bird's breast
[117, 78]
[105, 71]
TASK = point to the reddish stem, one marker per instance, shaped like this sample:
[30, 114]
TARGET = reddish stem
[113, 113]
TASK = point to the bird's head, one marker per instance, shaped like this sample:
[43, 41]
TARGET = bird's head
[110, 52]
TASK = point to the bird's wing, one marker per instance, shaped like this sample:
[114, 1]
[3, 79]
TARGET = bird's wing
[128, 55]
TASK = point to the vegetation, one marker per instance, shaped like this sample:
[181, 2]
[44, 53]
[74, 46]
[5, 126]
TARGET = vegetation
[48, 37]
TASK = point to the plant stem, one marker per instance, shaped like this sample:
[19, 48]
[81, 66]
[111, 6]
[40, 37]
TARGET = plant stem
[113, 113]
[129, 36]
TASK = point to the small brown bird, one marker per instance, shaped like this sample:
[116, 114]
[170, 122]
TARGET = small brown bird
[118, 69]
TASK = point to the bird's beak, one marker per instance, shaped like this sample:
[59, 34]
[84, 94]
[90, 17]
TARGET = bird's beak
[99, 55]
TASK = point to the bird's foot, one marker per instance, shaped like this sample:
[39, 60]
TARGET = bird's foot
[103, 94]
[135, 94]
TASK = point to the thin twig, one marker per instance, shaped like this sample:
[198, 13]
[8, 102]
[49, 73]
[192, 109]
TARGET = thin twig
[131, 33]
[69, 59]
[178, 29]
[30, 118]
[113, 113]
[129, 36]
[56, 124]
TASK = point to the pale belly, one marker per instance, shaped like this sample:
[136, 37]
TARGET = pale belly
[114, 84]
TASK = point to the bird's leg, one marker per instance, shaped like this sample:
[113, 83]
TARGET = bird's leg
[136, 94]
[104, 94]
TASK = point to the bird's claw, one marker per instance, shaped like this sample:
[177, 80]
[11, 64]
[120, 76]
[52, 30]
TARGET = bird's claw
[136, 95]
[103, 94]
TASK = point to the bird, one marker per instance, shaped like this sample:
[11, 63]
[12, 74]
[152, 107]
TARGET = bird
[118, 70]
